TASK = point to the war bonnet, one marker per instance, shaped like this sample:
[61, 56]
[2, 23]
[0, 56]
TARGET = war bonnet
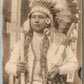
[58, 10]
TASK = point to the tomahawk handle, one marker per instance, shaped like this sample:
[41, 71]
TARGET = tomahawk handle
[22, 54]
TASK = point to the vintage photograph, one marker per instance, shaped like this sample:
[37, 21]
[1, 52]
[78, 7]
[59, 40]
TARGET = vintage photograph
[41, 41]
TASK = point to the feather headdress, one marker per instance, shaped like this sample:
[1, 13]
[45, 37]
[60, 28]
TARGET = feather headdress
[60, 11]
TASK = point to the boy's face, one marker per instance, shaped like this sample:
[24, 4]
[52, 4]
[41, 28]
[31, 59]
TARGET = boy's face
[38, 21]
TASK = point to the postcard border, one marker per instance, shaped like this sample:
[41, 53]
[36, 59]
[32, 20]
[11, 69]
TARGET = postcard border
[0, 48]
[1, 45]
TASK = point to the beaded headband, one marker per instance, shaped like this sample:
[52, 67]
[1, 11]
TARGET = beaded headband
[44, 6]
[41, 9]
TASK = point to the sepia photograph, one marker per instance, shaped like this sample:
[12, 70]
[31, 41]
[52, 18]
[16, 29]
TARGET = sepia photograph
[42, 41]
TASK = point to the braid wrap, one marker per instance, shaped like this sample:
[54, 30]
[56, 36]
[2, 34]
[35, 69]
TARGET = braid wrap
[43, 60]
[28, 37]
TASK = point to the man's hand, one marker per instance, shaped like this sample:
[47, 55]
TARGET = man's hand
[54, 71]
[21, 67]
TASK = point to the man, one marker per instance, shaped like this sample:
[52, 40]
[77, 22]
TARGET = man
[46, 59]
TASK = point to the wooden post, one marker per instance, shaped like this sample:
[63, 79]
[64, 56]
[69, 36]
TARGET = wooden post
[13, 35]
[15, 19]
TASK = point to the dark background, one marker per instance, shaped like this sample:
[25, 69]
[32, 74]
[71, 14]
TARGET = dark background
[6, 37]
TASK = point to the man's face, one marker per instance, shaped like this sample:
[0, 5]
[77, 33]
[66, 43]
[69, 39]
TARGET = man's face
[38, 21]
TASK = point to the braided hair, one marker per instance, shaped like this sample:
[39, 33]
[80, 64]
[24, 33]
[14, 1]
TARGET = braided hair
[28, 38]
